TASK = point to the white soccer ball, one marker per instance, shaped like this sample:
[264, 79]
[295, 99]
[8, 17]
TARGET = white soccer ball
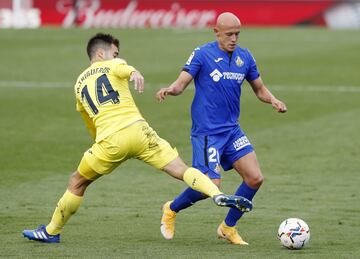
[294, 233]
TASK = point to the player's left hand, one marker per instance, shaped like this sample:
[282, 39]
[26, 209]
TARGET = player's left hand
[161, 94]
[278, 105]
[138, 81]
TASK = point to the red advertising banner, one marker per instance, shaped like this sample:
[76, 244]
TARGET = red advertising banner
[176, 13]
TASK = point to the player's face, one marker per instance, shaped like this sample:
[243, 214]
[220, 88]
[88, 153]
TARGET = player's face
[111, 53]
[228, 38]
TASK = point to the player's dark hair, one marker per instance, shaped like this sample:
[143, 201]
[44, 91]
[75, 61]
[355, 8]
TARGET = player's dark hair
[100, 40]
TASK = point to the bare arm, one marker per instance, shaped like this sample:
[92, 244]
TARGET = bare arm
[89, 124]
[176, 88]
[266, 96]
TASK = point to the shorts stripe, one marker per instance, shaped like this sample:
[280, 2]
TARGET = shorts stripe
[205, 151]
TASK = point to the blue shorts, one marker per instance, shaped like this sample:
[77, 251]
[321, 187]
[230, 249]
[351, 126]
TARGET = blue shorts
[223, 149]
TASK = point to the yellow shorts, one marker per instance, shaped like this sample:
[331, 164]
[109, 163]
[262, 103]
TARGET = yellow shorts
[138, 141]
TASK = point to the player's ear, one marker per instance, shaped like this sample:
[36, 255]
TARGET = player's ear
[100, 53]
[216, 31]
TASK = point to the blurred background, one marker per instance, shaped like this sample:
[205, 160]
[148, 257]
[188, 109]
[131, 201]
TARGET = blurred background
[176, 13]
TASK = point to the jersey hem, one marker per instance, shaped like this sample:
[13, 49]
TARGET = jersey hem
[127, 125]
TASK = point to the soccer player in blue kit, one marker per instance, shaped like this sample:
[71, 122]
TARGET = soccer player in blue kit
[219, 69]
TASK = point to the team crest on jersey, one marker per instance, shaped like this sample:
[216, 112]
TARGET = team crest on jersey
[239, 62]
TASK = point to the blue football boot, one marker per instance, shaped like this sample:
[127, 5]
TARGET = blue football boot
[41, 235]
[233, 201]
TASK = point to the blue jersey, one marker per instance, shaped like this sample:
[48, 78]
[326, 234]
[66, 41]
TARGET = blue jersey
[218, 77]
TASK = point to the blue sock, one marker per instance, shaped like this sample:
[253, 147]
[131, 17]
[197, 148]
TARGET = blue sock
[186, 199]
[234, 215]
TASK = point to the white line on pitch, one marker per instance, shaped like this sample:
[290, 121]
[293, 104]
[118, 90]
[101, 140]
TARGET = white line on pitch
[32, 84]
[316, 88]
[285, 88]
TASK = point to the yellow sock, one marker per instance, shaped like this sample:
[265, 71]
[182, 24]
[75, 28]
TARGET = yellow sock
[67, 205]
[200, 182]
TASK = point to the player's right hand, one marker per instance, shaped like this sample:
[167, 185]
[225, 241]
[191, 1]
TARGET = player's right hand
[278, 105]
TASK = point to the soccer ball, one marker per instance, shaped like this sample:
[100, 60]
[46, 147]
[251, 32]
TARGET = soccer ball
[294, 233]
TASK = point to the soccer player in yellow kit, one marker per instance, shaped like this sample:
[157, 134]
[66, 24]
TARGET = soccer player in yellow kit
[120, 132]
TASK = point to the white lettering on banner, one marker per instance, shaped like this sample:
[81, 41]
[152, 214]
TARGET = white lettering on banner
[343, 16]
[25, 18]
[91, 15]
[241, 143]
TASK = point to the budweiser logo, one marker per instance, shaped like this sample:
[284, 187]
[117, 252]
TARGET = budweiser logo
[90, 14]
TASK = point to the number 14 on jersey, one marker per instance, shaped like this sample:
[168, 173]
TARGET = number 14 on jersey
[104, 93]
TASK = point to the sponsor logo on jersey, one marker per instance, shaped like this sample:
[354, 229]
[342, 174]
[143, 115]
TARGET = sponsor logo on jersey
[216, 75]
[241, 143]
[218, 60]
[233, 76]
[239, 62]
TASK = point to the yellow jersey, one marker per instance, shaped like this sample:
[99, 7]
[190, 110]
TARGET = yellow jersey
[102, 90]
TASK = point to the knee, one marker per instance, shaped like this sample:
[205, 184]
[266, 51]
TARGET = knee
[73, 179]
[217, 182]
[73, 182]
[255, 182]
[77, 183]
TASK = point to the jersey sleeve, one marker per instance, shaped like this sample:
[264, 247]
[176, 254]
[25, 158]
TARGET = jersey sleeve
[253, 72]
[79, 106]
[122, 69]
[194, 63]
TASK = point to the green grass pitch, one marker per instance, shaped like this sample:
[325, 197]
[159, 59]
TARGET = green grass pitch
[309, 156]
